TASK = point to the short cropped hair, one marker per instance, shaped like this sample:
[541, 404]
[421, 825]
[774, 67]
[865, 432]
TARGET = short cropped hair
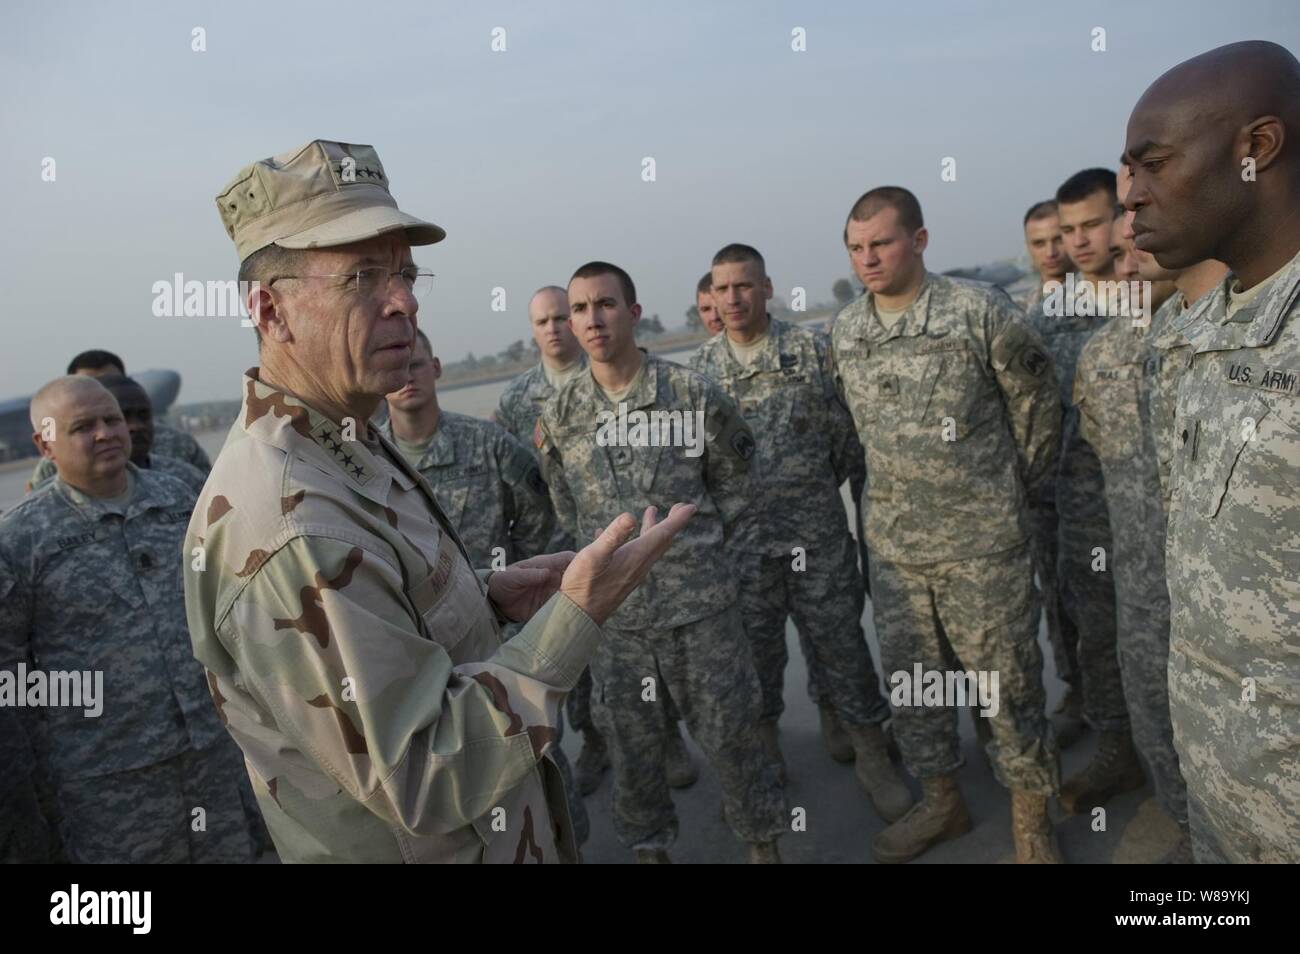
[895, 197]
[705, 284]
[1047, 209]
[594, 269]
[736, 253]
[1083, 184]
[90, 360]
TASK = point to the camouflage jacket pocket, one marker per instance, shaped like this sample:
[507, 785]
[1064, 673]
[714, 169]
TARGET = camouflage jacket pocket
[1110, 411]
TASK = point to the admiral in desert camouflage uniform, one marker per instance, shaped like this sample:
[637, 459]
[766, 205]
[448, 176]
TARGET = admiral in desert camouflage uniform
[91, 582]
[797, 558]
[351, 650]
[1234, 522]
[955, 403]
[681, 629]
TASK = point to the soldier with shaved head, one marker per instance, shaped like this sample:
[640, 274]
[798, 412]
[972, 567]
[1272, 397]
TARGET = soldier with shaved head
[1214, 145]
[90, 582]
[352, 650]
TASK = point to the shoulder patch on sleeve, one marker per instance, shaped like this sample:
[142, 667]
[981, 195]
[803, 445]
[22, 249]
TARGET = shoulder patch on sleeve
[1034, 360]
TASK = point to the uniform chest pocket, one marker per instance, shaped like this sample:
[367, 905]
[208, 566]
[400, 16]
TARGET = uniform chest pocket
[952, 385]
[449, 600]
[1112, 413]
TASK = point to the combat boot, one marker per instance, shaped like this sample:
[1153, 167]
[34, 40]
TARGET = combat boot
[837, 743]
[1067, 718]
[764, 853]
[1032, 831]
[941, 814]
[877, 774]
[1113, 769]
[682, 771]
[767, 732]
[652, 856]
[592, 761]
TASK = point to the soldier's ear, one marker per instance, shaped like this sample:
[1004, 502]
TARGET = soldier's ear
[437, 369]
[920, 240]
[767, 287]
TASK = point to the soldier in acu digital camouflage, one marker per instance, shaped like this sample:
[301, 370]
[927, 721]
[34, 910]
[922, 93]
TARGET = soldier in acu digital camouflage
[1112, 388]
[1213, 145]
[1071, 523]
[635, 431]
[352, 651]
[90, 583]
[796, 557]
[956, 405]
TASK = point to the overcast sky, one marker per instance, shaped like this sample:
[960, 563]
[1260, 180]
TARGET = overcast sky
[531, 158]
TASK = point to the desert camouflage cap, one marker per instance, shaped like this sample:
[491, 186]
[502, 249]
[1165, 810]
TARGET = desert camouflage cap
[319, 195]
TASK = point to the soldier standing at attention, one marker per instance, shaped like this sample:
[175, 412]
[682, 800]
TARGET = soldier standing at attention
[1084, 591]
[562, 358]
[1046, 247]
[798, 558]
[1216, 175]
[1112, 386]
[351, 650]
[955, 402]
[608, 441]
[90, 582]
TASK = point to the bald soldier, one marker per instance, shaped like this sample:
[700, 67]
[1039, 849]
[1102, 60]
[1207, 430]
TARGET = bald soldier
[352, 651]
[90, 587]
[955, 402]
[167, 441]
[1112, 388]
[521, 402]
[1214, 148]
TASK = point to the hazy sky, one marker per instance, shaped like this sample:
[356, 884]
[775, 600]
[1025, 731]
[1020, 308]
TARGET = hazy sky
[531, 158]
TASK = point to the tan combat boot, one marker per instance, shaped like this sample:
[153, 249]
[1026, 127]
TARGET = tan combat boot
[877, 774]
[682, 771]
[652, 856]
[592, 761]
[1067, 718]
[767, 732]
[764, 853]
[1032, 831]
[1114, 768]
[837, 743]
[941, 814]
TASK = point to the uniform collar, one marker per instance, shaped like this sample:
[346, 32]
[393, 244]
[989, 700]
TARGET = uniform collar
[767, 359]
[439, 452]
[643, 393]
[146, 494]
[281, 420]
[1209, 328]
[913, 321]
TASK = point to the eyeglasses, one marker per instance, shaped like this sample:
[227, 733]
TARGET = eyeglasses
[370, 282]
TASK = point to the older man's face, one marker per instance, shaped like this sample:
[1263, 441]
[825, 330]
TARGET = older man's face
[352, 341]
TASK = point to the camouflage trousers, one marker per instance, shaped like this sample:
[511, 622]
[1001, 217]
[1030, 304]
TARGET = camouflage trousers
[1239, 759]
[578, 705]
[981, 613]
[825, 600]
[1088, 593]
[708, 668]
[147, 815]
[1062, 635]
[1142, 607]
